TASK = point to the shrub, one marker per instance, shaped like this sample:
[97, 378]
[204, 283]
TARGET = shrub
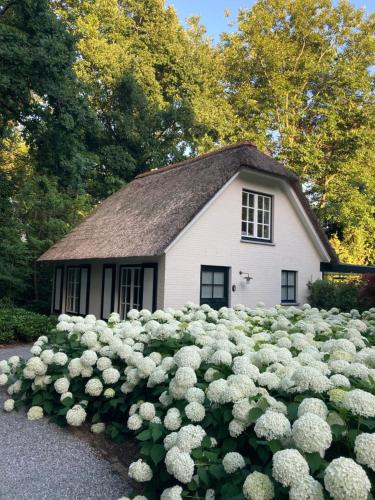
[367, 291]
[17, 324]
[251, 403]
[327, 294]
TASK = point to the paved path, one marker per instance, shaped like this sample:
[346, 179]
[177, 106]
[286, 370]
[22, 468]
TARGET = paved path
[40, 461]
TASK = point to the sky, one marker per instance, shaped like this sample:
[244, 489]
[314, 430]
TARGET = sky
[212, 12]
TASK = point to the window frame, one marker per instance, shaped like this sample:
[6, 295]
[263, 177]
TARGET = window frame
[213, 269]
[255, 220]
[79, 267]
[61, 268]
[141, 269]
[287, 286]
[113, 288]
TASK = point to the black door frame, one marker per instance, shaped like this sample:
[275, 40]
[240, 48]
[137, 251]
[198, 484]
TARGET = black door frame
[216, 303]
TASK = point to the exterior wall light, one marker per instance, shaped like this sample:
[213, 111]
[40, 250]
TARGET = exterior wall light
[247, 276]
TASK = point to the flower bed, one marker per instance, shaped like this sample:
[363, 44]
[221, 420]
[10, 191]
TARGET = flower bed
[231, 404]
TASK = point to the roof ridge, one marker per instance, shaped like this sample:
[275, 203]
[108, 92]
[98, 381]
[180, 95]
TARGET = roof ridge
[197, 158]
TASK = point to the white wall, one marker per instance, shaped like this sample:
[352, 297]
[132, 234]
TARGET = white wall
[214, 239]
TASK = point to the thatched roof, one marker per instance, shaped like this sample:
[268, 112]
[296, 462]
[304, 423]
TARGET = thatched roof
[144, 217]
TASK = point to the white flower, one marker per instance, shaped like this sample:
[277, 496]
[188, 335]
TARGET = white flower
[3, 379]
[221, 357]
[75, 367]
[134, 422]
[89, 358]
[36, 350]
[236, 428]
[110, 375]
[172, 420]
[258, 486]
[195, 412]
[98, 428]
[180, 465]
[109, 393]
[14, 361]
[4, 367]
[272, 425]
[61, 385]
[35, 413]
[190, 437]
[307, 488]
[36, 366]
[269, 380]
[188, 356]
[233, 461]
[173, 493]
[76, 416]
[9, 405]
[346, 480]
[94, 387]
[360, 402]
[339, 380]
[66, 395]
[47, 356]
[140, 471]
[194, 394]
[312, 434]
[185, 377]
[364, 449]
[60, 358]
[103, 363]
[289, 466]
[89, 339]
[147, 411]
[217, 391]
[170, 440]
[313, 405]
[210, 494]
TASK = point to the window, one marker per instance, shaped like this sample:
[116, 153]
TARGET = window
[58, 289]
[130, 296]
[77, 289]
[256, 216]
[214, 286]
[73, 286]
[288, 286]
[108, 290]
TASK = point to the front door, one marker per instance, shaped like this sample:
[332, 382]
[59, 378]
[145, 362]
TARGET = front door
[214, 286]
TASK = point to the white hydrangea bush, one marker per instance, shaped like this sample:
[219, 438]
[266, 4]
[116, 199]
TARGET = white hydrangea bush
[251, 403]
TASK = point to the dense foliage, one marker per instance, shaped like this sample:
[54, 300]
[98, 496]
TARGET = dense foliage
[18, 324]
[345, 294]
[96, 91]
[230, 404]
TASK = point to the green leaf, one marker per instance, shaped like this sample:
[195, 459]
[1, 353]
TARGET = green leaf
[144, 435]
[156, 431]
[217, 471]
[157, 453]
[337, 430]
[68, 402]
[254, 414]
[38, 399]
[275, 445]
[292, 410]
[203, 476]
[315, 461]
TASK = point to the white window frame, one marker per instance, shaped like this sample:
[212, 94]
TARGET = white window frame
[128, 299]
[73, 290]
[258, 227]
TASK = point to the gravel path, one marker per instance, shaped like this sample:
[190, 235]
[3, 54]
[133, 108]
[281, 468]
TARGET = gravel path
[40, 461]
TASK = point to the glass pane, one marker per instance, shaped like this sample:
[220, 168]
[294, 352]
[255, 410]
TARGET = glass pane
[251, 215]
[266, 232]
[260, 230]
[206, 292]
[260, 202]
[284, 278]
[219, 278]
[284, 294]
[267, 203]
[291, 293]
[291, 279]
[250, 229]
[266, 217]
[243, 228]
[244, 198]
[260, 216]
[218, 292]
[250, 200]
[207, 277]
[244, 213]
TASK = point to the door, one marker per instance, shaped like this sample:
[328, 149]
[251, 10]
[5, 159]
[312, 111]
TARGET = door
[130, 296]
[214, 286]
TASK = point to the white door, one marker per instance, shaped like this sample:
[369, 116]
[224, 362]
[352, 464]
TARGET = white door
[130, 289]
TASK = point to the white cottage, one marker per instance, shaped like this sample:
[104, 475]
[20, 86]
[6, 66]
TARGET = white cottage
[231, 226]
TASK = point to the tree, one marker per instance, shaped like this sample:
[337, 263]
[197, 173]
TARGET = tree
[299, 81]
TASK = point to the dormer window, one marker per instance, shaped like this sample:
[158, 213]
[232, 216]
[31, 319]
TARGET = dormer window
[256, 216]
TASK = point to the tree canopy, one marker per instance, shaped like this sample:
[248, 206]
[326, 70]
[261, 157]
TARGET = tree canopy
[93, 92]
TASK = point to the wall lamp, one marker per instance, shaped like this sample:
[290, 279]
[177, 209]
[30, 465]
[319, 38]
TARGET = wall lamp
[247, 276]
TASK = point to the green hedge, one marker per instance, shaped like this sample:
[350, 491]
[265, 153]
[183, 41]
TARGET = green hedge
[17, 324]
[328, 294]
